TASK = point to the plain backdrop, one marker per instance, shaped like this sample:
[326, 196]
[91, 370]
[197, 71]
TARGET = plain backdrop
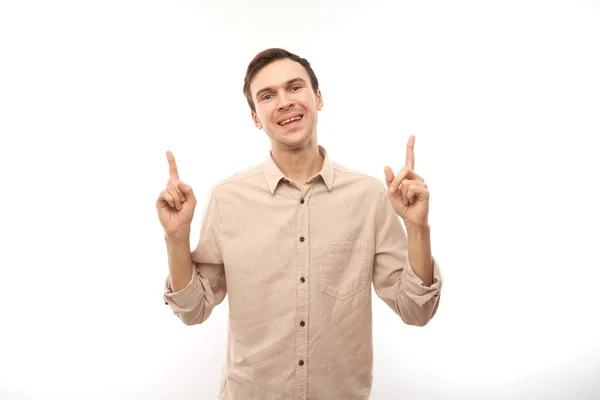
[504, 100]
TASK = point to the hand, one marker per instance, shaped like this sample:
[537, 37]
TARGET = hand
[175, 204]
[408, 192]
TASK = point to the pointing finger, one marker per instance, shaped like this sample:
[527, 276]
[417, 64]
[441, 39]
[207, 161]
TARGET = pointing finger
[410, 153]
[172, 166]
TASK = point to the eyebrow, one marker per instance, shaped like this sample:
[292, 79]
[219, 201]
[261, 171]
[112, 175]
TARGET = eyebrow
[267, 89]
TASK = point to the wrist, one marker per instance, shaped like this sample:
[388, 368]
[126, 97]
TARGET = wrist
[417, 229]
[179, 235]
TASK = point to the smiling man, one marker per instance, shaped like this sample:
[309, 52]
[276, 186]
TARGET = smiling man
[296, 243]
[284, 101]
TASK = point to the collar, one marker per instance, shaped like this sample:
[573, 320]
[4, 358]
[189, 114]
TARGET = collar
[273, 174]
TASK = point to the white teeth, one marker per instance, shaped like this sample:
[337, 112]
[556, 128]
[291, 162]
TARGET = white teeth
[287, 121]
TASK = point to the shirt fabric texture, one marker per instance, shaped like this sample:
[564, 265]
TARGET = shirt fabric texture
[297, 265]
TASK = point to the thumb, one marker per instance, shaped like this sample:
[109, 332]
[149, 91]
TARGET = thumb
[389, 175]
[186, 189]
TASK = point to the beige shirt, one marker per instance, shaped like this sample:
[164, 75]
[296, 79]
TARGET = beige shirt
[297, 265]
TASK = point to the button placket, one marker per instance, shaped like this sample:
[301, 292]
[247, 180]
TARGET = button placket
[302, 292]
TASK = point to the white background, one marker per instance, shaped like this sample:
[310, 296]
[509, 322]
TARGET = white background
[504, 98]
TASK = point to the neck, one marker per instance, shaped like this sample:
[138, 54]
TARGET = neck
[298, 165]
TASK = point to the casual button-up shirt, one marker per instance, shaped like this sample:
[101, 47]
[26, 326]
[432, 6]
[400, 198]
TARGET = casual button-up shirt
[297, 264]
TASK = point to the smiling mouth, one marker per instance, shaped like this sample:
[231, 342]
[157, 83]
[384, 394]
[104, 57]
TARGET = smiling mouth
[290, 121]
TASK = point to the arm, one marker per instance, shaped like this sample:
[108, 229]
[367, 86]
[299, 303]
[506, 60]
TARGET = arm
[419, 252]
[395, 279]
[180, 259]
[196, 282]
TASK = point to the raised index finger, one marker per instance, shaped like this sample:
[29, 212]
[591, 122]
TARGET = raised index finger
[172, 166]
[410, 153]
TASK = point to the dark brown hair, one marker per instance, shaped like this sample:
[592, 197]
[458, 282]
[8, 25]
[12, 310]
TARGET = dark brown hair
[265, 58]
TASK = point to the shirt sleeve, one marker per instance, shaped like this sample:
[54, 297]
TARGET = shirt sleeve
[207, 287]
[394, 280]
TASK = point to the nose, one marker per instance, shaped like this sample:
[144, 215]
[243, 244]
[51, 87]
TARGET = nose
[284, 102]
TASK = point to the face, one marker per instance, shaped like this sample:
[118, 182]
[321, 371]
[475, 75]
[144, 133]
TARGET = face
[282, 91]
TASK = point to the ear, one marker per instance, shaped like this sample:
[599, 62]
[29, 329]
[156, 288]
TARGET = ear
[319, 100]
[256, 120]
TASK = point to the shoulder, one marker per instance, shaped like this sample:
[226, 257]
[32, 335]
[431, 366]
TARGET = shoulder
[345, 176]
[250, 176]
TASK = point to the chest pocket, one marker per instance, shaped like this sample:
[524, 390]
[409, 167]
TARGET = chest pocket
[346, 267]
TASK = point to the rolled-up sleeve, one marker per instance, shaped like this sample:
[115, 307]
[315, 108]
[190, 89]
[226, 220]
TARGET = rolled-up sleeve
[394, 280]
[207, 287]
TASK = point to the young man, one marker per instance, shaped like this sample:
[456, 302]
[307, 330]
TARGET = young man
[296, 242]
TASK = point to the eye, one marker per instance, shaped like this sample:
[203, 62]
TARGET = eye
[266, 96]
[296, 87]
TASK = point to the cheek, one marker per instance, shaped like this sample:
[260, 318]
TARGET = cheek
[265, 116]
[310, 105]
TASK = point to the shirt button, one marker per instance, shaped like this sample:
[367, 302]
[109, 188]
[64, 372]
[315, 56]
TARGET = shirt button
[302, 323]
[302, 238]
[301, 280]
[302, 201]
[300, 363]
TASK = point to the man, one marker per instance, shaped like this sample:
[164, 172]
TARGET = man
[296, 242]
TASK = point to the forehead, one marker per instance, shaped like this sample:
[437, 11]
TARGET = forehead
[277, 74]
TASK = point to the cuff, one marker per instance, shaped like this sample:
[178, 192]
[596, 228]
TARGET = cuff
[415, 288]
[186, 297]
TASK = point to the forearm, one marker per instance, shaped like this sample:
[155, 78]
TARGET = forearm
[419, 252]
[180, 259]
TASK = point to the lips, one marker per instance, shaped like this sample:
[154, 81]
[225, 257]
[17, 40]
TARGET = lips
[290, 119]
